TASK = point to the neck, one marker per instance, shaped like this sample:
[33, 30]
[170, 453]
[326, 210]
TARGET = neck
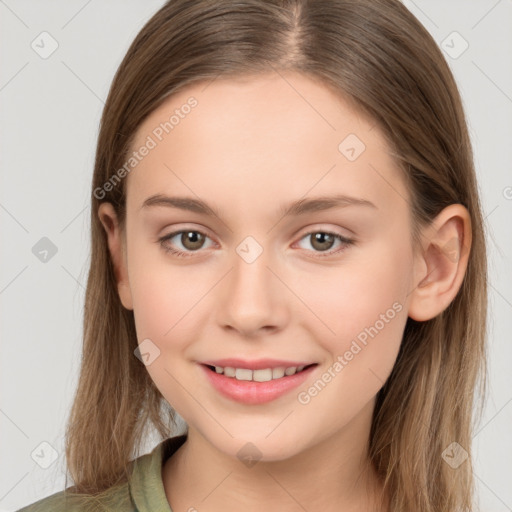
[331, 475]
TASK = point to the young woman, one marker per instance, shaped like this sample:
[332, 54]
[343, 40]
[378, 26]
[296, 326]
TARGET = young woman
[288, 251]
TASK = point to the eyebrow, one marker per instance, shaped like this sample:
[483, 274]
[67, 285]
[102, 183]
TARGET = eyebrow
[296, 208]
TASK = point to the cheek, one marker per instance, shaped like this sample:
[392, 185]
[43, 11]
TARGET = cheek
[364, 307]
[165, 294]
[363, 313]
[356, 294]
[165, 303]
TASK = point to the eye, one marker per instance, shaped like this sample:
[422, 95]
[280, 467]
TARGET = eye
[322, 241]
[190, 239]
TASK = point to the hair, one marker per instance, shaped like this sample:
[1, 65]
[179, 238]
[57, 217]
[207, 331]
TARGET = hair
[377, 54]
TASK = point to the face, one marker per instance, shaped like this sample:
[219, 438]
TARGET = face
[324, 287]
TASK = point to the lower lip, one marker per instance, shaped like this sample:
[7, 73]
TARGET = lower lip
[254, 393]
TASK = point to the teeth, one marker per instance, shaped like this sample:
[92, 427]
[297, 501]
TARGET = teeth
[243, 374]
[277, 373]
[291, 370]
[229, 372]
[263, 375]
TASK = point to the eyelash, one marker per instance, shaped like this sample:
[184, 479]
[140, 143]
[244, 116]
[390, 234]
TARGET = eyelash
[322, 254]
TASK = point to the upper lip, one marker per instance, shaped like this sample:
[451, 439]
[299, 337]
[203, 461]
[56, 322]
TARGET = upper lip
[257, 364]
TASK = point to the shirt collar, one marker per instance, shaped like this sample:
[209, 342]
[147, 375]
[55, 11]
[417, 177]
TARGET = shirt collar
[146, 484]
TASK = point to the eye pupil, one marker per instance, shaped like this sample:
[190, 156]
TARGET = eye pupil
[192, 240]
[320, 238]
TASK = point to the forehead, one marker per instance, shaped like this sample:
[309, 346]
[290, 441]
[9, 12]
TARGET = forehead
[260, 136]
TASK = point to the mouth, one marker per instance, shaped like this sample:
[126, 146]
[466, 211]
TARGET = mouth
[255, 386]
[260, 375]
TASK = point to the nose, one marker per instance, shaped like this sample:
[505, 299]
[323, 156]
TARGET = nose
[253, 299]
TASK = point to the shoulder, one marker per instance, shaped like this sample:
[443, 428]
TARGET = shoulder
[57, 502]
[116, 499]
[143, 491]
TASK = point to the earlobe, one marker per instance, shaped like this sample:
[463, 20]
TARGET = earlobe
[109, 220]
[443, 263]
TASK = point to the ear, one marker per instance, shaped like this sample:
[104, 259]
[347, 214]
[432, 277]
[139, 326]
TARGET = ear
[109, 220]
[442, 262]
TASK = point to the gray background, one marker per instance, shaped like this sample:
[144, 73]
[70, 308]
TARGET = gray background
[50, 110]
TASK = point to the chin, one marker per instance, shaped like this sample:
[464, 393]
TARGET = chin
[259, 446]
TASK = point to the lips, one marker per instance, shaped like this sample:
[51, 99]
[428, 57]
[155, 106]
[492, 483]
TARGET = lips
[258, 364]
[256, 382]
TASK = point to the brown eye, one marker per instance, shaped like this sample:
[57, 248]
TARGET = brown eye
[322, 241]
[184, 243]
[192, 240]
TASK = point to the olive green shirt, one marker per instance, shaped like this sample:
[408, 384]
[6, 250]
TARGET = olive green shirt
[144, 492]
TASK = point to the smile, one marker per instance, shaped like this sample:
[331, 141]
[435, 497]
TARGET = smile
[258, 385]
[262, 375]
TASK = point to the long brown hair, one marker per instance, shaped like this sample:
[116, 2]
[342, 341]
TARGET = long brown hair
[377, 54]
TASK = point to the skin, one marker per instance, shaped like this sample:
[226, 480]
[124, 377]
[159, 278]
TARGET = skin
[250, 146]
